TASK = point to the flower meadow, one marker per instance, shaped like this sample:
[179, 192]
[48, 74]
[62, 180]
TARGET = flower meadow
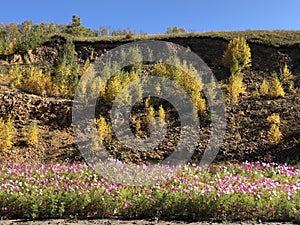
[247, 191]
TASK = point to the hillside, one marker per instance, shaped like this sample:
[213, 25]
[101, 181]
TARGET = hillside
[246, 121]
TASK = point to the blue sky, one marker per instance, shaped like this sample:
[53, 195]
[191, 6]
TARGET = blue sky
[156, 15]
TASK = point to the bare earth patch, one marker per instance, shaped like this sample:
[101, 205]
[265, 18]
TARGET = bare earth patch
[125, 222]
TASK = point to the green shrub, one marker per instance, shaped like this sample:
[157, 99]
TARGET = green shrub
[176, 30]
[30, 37]
[66, 71]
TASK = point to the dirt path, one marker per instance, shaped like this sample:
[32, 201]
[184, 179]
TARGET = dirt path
[125, 222]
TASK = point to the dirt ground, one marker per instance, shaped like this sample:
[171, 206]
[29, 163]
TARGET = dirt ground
[126, 222]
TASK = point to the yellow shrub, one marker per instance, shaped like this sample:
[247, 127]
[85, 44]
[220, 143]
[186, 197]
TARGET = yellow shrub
[151, 115]
[274, 118]
[7, 132]
[37, 82]
[255, 94]
[31, 134]
[137, 122]
[264, 88]
[236, 86]
[113, 87]
[274, 134]
[199, 102]
[162, 115]
[104, 129]
[90, 86]
[16, 76]
[276, 89]
[31, 79]
[147, 102]
[237, 51]
[212, 86]
[287, 77]
[11, 47]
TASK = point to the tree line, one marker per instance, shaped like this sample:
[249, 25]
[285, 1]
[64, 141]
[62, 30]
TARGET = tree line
[18, 38]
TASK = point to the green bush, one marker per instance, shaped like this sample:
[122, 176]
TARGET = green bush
[30, 37]
[66, 71]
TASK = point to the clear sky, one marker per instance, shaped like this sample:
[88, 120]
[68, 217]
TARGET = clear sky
[156, 15]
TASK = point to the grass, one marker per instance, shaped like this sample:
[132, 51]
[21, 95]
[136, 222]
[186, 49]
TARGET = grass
[268, 37]
[249, 191]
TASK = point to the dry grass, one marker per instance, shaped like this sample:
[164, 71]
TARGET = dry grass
[268, 37]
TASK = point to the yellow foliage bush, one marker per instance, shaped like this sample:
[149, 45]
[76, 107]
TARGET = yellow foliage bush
[90, 86]
[151, 115]
[16, 76]
[199, 102]
[236, 86]
[7, 132]
[37, 82]
[276, 89]
[274, 134]
[137, 123]
[237, 50]
[104, 130]
[113, 87]
[10, 48]
[264, 88]
[287, 77]
[31, 134]
[274, 118]
[255, 93]
[31, 79]
[162, 115]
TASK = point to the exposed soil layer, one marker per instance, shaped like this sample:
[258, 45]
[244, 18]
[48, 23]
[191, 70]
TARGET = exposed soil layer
[245, 137]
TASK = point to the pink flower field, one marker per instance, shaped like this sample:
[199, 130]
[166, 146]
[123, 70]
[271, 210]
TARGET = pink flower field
[249, 191]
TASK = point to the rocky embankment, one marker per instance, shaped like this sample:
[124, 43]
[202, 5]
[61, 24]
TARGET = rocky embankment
[246, 122]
